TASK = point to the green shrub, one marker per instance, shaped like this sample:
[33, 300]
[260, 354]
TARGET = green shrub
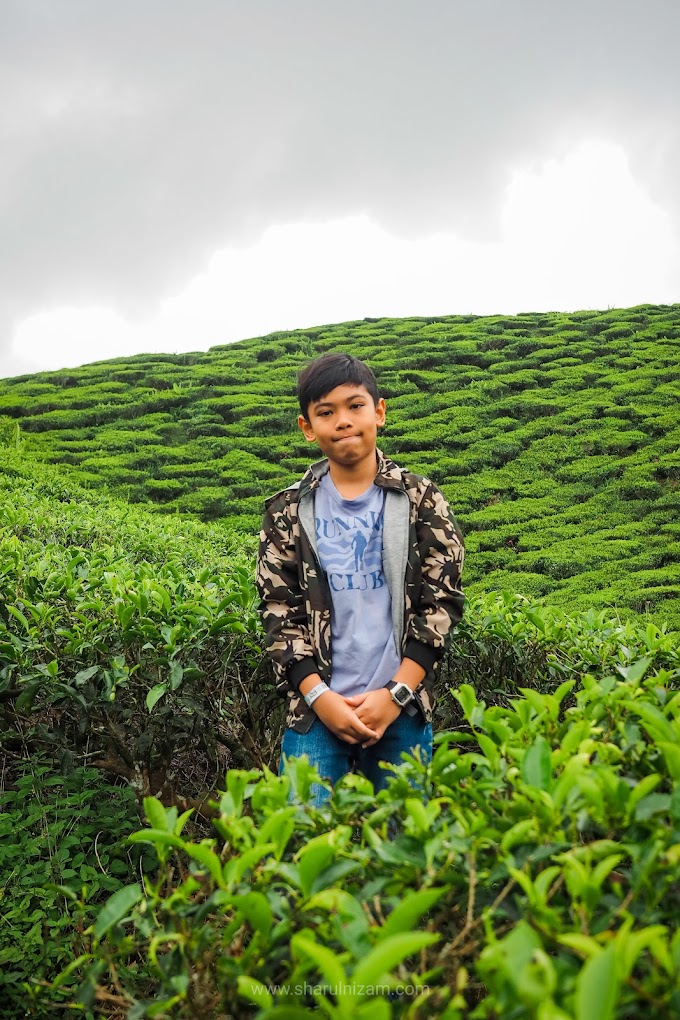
[62, 832]
[536, 880]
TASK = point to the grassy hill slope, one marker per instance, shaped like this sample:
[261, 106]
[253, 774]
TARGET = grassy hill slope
[555, 437]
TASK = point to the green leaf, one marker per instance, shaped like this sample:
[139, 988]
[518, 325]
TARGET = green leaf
[278, 827]
[654, 804]
[317, 855]
[340, 902]
[537, 701]
[24, 702]
[584, 945]
[182, 821]
[227, 622]
[604, 868]
[374, 1009]
[631, 944]
[417, 813]
[597, 987]
[117, 907]
[235, 869]
[518, 833]
[635, 672]
[85, 674]
[675, 804]
[519, 947]
[18, 615]
[255, 908]
[155, 813]
[388, 953]
[467, 698]
[406, 914]
[653, 720]
[671, 753]
[535, 767]
[536, 619]
[645, 786]
[489, 749]
[157, 837]
[254, 991]
[155, 694]
[176, 674]
[208, 859]
[238, 781]
[326, 960]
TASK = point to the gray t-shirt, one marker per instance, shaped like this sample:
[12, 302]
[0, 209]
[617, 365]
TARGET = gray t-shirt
[349, 535]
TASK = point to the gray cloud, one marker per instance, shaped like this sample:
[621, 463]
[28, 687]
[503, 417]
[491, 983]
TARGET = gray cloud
[139, 136]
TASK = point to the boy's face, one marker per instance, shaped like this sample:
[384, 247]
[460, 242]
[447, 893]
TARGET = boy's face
[344, 423]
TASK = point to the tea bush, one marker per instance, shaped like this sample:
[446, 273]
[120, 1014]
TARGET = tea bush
[125, 638]
[134, 640]
[62, 835]
[538, 878]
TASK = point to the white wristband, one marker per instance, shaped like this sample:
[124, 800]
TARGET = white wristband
[316, 692]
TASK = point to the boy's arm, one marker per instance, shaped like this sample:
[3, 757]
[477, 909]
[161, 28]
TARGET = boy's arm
[282, 607]
[440, 605]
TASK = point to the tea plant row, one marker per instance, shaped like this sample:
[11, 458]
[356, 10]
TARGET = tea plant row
[554, 437]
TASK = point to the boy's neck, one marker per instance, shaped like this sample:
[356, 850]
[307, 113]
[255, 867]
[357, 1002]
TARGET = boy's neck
[352, 479]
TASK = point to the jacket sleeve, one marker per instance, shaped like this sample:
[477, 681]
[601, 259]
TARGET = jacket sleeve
[438, 606]
[282, 606]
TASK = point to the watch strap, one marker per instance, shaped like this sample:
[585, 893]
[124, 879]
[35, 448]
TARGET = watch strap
[410, 706]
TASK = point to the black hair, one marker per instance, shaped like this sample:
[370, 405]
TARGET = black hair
[331, 370]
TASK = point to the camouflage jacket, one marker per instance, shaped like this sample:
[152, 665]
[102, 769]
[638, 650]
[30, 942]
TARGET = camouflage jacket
[422, 561]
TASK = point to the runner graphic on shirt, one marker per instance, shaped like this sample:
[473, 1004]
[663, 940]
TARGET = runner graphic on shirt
[359, 544]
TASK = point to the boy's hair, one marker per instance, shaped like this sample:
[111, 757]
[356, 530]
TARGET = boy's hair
[331, 370]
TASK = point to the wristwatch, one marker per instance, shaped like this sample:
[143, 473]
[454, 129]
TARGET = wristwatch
[402, 695]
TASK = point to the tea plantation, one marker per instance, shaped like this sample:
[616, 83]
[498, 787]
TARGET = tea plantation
[153, 863]
[555, 437]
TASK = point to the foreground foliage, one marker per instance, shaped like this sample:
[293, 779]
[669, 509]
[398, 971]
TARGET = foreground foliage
[59, 832]
[538, 880]
[554, 436]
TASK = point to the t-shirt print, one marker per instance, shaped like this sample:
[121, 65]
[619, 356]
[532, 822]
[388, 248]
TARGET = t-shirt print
[350, 548]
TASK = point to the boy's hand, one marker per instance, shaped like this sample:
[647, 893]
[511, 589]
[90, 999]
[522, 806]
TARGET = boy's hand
[335, 713]
[376, 709]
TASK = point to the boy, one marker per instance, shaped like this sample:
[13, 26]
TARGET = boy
[359, 577]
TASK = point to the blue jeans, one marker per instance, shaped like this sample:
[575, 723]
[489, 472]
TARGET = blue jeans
[334, 758]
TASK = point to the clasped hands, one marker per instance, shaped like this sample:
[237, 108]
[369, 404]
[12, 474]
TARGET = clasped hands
[361, 719]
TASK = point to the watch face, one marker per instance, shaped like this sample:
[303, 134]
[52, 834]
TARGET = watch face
[402, 695]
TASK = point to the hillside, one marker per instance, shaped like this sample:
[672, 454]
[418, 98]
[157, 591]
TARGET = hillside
[554, 436]
[539, 867]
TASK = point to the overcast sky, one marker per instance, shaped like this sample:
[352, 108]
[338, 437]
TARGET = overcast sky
[177, 175]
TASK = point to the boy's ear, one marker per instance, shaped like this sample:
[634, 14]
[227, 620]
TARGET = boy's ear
[380, 412]
[306, 429]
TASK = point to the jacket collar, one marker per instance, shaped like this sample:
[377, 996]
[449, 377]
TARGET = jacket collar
[388, 474]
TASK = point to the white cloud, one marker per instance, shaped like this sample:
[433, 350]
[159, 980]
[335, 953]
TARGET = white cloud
[578, 232]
